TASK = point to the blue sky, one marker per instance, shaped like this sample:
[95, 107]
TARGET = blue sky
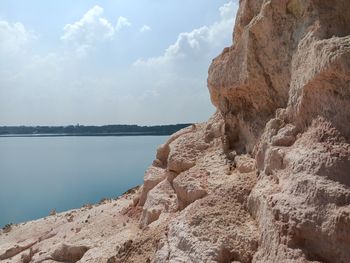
[101, 62]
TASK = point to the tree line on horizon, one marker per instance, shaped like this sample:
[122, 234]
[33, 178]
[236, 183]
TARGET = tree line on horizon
[86, 130]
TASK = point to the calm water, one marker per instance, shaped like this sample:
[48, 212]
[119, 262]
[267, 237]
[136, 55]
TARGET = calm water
[39, 174]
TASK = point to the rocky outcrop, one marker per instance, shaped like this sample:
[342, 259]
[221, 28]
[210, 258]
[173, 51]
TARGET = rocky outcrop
[266, 179]
[190, 186]
[283, 90]
[153, 176]
[210, 221]
[160, 199]
[216, 228]
[68, 253]
[88, 234]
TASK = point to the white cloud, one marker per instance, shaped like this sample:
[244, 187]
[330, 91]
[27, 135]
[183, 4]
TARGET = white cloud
[200, 42]
[15, 43]
[13, 37]
[91, 28]
[228, 10]
[170, 87]
[122, 22]
[145, 28]
[178, 76]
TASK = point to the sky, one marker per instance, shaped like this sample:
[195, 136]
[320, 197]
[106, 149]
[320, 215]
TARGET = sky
[110, 61]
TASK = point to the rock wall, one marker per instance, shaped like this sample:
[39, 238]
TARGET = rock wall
[267, 179]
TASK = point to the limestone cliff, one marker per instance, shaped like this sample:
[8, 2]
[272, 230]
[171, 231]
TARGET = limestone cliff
[266, 179]
[282, 91]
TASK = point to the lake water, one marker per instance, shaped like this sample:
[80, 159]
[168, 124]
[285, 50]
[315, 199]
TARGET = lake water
[38, 174]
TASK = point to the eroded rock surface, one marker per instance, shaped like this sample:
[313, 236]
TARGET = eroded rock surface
[216, 228]
[88, 234]
[153, 176]
[283, 90]
[190, 186]
[161, 199]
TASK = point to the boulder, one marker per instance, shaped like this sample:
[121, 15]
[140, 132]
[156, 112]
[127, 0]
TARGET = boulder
[153, 176]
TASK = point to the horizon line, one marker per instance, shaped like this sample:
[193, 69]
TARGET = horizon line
[102, 125]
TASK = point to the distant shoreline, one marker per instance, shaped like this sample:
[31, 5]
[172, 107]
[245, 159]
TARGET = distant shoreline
[81, 130]
[86, 135]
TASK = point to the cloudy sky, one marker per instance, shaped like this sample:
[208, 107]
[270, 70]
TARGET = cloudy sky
[109, 61]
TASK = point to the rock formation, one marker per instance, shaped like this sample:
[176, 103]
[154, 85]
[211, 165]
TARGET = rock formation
[283, 90]
[266, 179]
